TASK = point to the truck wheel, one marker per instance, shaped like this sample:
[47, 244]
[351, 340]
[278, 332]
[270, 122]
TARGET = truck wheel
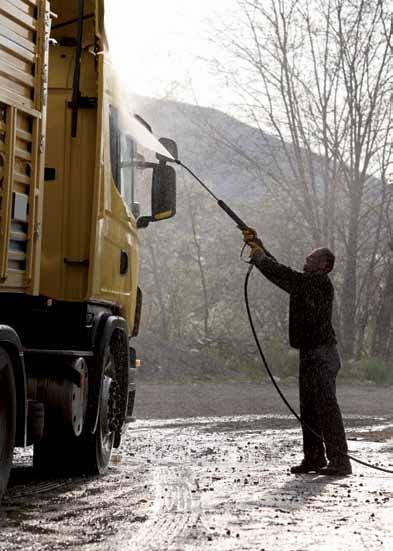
[7, 418]
[102, 441]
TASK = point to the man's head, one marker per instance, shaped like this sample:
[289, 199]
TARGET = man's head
[320, 260]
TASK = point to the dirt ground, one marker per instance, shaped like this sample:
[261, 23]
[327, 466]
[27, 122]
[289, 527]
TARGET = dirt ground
[206, 467]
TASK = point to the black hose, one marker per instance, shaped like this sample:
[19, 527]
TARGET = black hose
[269, 372]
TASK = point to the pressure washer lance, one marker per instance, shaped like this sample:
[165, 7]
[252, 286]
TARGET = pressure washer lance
[239, 222]
[243, 226]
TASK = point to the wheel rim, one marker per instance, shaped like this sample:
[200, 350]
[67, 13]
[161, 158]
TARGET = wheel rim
[106, 435]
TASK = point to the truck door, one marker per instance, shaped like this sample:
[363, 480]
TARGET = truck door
[119, 262]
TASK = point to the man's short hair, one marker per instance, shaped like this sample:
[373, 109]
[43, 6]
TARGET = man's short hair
[329, 257]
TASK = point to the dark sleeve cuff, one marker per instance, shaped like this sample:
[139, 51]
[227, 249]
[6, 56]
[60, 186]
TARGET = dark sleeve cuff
[258, 257]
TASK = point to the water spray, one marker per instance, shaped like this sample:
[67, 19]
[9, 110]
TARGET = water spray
[238, 221]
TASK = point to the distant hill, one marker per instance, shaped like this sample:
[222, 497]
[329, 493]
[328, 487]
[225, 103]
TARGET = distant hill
[215, 145]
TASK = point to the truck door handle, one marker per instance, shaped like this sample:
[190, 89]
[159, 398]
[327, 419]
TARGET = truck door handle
[123, 262]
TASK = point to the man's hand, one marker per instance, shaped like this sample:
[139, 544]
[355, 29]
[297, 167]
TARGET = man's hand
[251, 239]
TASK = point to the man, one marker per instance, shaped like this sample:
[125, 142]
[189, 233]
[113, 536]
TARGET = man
[310, 330]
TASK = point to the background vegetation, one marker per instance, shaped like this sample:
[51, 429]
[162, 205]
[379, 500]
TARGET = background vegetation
[310, 165]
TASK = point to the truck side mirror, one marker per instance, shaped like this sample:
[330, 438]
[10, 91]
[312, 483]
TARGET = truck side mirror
[163, 195]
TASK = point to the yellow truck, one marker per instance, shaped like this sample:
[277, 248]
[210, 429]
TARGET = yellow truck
[69, 249]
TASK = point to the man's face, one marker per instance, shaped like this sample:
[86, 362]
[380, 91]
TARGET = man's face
[315, 262]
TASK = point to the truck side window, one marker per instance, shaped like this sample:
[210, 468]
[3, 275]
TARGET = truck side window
[127, 169]
[115, 146]
[122, 149]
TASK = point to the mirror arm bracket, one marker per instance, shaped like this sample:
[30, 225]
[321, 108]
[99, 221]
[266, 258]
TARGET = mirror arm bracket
[144, 221]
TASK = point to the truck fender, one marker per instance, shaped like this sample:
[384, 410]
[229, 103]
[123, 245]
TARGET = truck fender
[10, 341]
[111, 324]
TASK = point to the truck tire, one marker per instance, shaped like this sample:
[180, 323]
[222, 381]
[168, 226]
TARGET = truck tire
[7, 418]
[98, 446]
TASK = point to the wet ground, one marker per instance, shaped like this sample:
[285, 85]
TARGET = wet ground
[184, 481]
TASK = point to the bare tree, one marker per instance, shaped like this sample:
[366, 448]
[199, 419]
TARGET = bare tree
[317, 75]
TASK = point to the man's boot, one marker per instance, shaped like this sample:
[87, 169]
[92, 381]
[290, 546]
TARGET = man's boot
[338, 467]
[309, 465]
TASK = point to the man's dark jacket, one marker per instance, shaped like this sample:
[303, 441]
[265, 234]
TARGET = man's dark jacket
[310, 303]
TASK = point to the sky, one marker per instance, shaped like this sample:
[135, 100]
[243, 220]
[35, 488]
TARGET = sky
[161, 47]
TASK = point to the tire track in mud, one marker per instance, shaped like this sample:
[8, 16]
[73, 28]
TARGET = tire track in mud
[176, 508]
[31, 489]
[69, 513]
[177, 517]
